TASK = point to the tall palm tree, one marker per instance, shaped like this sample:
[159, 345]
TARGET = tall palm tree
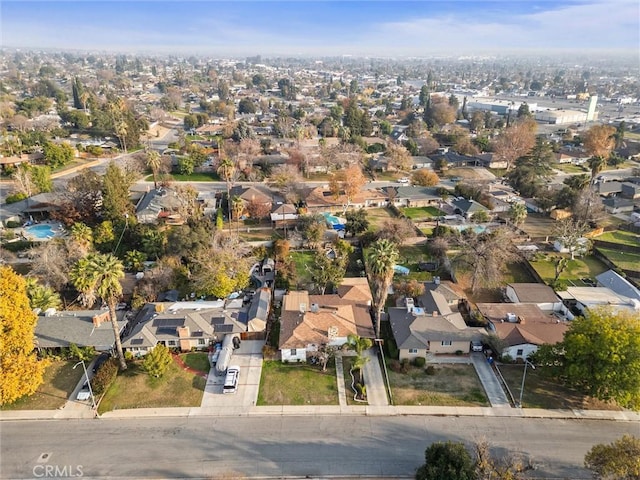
[82, 237]
[153, 162]
[237, 206]
[98, 276]
[596, 164]
[42, 296]
[380, 260]
[359, 344]
[227, 169]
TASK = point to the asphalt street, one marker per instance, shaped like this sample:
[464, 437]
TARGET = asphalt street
[286, 446]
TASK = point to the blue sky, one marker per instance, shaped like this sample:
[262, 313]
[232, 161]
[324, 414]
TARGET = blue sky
[380, 28]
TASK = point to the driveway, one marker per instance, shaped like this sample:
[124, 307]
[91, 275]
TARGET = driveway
[249, 358]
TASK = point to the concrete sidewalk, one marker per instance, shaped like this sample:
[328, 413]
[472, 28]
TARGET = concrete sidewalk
[333, 410]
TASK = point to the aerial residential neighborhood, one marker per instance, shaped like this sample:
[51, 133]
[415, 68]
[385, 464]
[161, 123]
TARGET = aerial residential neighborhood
[319, 238]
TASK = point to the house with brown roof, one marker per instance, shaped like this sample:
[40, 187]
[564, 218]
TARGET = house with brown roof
[321, 199]
[523, 327]
[537, 293]
[309, 321]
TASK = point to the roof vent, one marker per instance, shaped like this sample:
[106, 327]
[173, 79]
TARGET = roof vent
[315, 308]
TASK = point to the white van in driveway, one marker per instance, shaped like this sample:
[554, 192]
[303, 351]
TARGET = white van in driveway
[231, 380]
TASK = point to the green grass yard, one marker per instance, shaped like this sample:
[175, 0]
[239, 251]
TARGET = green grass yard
[297, 384]
[626, 260]
[620, 236]
[301, 259]
[585, 267]
[421, 213]
[59, 381]
[197, 360]
[133, 388]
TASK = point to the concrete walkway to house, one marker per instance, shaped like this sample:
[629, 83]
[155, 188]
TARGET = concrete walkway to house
[376, 390]
[490, 383]
[342, 399]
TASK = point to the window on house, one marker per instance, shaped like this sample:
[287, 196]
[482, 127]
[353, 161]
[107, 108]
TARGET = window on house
[201, 341]
[413, 350]
[294, 351]
[519, 352]
[172, 342]
[446, 343]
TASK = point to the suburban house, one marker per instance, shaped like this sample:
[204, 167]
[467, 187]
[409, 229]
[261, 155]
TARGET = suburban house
[523, 327]
[606, 189]
[157, 204]
[454, 160]
[615, 205]
[583, 298]
[15, 160]
[630, 190]
[467, 208]
[489, 160]
[537, 293]
[284, 214]
[421, 162]
[185, 325]
[620, 285]
[413, 196]
[39, 206]
[320, 199]
[431, 328]
[253, 194]
[310, 321]
[84, 328]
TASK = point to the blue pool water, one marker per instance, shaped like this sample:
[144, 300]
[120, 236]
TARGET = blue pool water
[477, 228]
[41, 231]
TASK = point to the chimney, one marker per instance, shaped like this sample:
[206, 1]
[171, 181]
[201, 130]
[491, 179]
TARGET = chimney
[183, 332]
[99, 319]
[315, 307]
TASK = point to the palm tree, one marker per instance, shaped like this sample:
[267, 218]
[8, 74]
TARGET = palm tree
[237, 206]
[227, 169]
[596, 164]
[153, 162]
[82, 237]
[359, 344]
[42, 296]
[98, 276]
[380, 262]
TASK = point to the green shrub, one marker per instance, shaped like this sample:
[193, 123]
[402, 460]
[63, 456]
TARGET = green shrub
[15, 197]
[430, 370]
[157, 361]
[17, 246]
[458, 352]
[12, 223]
[105, 376]
[128, 356]
[419, 362]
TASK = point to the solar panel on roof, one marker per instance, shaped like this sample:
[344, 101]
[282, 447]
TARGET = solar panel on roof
[168, 322]
[217, 320]
[137, 341]
[224, 328]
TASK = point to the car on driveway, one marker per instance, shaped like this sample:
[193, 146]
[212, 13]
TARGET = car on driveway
[100, 361]
[84, 392]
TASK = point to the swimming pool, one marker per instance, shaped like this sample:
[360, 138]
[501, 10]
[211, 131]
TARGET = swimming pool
[41, 231]
[476, 228]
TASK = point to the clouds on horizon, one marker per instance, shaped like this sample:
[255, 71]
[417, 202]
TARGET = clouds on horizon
[330, 28]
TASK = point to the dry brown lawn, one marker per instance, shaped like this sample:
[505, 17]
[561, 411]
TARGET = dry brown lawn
[451, 385]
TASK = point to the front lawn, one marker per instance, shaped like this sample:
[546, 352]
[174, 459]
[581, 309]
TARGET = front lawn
[196, 177]
[133, 388]
[584, 267]
[450, 385]
[297, 384]
[543, 392]
[421, 213]
[59, 381]
[571, 168]
[197, 360]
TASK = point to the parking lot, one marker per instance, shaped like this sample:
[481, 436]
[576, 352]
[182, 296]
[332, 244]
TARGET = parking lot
[249, 358]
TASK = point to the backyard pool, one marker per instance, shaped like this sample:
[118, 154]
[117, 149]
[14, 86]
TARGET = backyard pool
[43, 231]
[476, 228]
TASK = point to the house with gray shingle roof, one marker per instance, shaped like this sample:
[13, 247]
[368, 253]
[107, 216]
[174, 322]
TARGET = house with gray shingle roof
[432, 328]
[84, 328]
[620, 285]
[467, 208]
[413, 196]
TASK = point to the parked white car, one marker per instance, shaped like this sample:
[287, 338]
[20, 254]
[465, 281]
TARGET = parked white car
[84, 392]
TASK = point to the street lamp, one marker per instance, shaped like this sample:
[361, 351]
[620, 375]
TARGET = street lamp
[524, 375]
[86, 376]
